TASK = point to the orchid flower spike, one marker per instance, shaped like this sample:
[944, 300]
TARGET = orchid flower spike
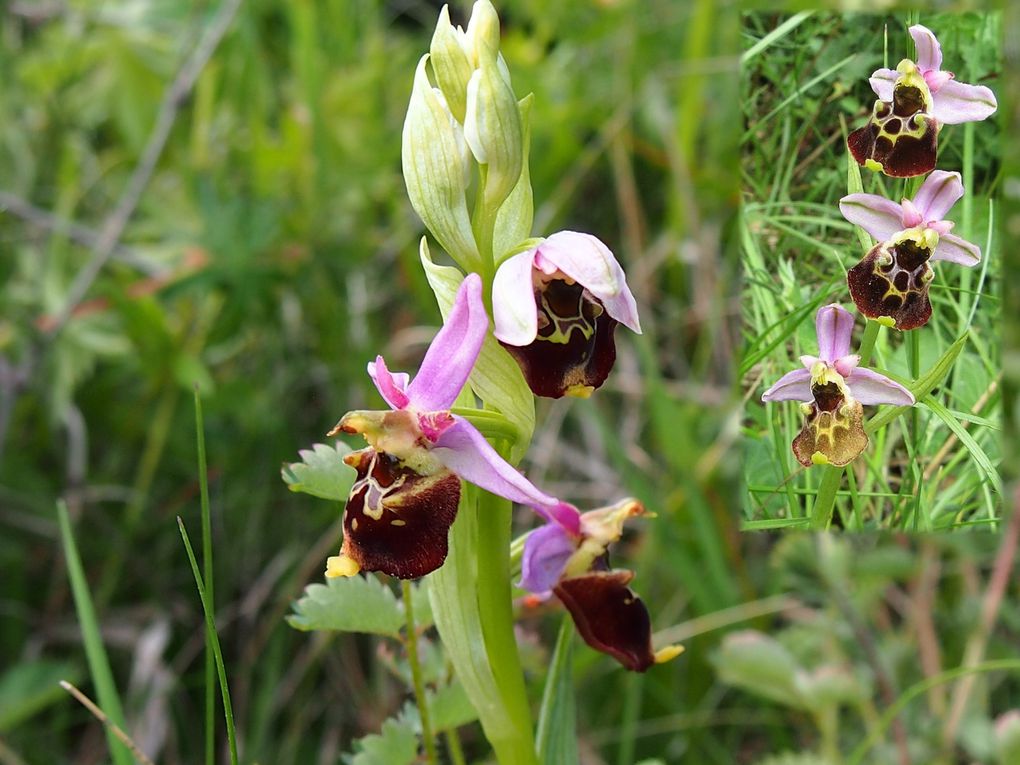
[952, 102]
[892, 279]
[406, 493]
[556, 307]
[834, 387]
[914, 100]
[574, 565]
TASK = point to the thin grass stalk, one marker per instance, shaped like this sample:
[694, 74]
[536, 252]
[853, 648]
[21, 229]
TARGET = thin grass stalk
[207, 569]
[416, 675]
[228, 710]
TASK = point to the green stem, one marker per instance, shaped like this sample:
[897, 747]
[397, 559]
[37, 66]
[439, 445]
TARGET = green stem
[416, 677]
[871, 330]
[495, 607]
[825, 499]
[453, 747]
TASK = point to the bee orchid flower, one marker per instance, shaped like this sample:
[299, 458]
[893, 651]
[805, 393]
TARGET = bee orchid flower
[574, 565]
[914, 100]
[892, 279]
[407, 489]
[555, 309]
[833, 388]
[952, 102]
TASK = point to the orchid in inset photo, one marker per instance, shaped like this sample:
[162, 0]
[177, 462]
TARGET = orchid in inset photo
[952, 102]
[893, 278]
[406, 493]
[914, 100]
[573, 564]
[834, 388]
[555, 308]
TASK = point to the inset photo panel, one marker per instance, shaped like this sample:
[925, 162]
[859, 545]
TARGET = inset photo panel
[871, 362]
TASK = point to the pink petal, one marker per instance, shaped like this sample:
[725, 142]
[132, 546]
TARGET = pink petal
[882, 82]
[514, 313]
[793, 386]
[466, 452]
[591, 264]
[834, 326]
[935, 80]
[453, 351]
[956, 249]
[939, 192]
[911, 216]
[869, 387]
[929, 52]
[391, 386]
[846, 365]
[809, 361]
[958, 102]
[877, 215]
[546, 551]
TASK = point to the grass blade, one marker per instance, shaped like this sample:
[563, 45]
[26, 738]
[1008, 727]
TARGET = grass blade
[228, 711]
[557, 720]
[207, 568]
[95, 652]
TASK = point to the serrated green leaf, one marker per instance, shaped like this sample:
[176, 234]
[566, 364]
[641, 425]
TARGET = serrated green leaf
[450, 707]
[496, 378]
[29, 687]
[349, 604]
[321, 472]
[395, 744]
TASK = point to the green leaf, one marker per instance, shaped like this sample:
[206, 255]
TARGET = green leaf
[557, 720]
[349, 604]
[795, 758]
[980, 457]
[395, 744]
[95, 651]
[854, 185]
[760, 664]
[30, 686]
[496, 378]
[450, 707]
[322, 472]
[921, 387]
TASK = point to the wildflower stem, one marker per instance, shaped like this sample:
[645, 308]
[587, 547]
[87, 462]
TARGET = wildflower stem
[416, 677]
[871, 330]
[496, 610]
[825, 499]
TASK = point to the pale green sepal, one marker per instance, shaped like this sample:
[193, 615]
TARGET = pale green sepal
[492, 127]
[496, 378]
[451, 64]
[453, 595]
[434, 170]
[517, 213]
[483, 29]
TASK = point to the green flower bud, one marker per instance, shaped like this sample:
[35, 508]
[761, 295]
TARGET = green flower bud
[492, 127]
[435, 170]
[451, 63]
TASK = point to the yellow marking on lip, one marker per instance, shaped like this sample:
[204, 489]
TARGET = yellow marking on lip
[341, 565]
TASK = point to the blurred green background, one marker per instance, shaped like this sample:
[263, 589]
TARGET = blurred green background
[269, 256]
